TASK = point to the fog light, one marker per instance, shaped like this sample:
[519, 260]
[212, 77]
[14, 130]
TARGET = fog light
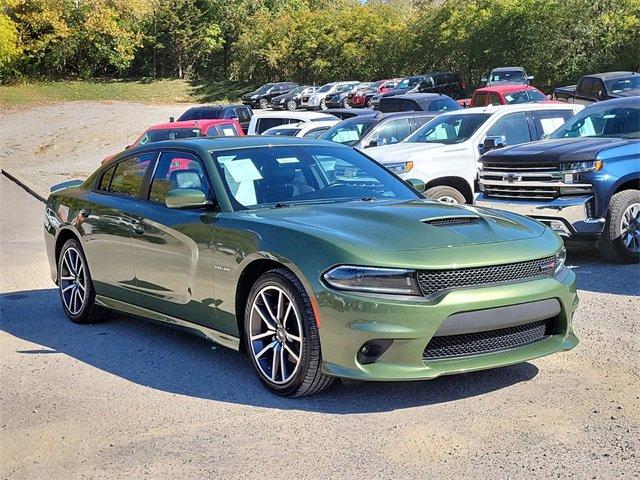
[371, 351]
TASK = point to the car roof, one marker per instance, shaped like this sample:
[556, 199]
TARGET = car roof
[505, 69]
[305, 125]
[378, 116]
[357, 112]
[215, 107]
[511, 87]
[420, 96]
[621, 102]
[302, 115]
[610, 75]
[205, 122]
[520, 107]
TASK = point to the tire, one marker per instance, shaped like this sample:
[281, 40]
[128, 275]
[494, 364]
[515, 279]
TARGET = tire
[624, 207]
[297, 378]
[323, 105]
[445, 194]
[291, 105]
[263, 103]
[345, 103]
[74, 270]
[369, 103]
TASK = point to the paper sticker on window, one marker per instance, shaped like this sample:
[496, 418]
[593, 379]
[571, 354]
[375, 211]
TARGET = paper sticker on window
[243, 170]
[228, 132]
[551, 124]
[223, 160]
[282, 161]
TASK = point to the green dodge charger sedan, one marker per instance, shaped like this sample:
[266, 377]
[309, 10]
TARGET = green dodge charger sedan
[311, 258]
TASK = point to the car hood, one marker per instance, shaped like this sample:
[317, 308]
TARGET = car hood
[395, 91]
[627, 93]
[400, 225]
[249, 94]
[401, 152]
[556, 150]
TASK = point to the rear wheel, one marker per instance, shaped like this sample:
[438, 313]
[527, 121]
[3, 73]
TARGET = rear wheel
[445, 194]
[369, 103]
[292, 105]
[75, 286]
[620, 241]
[263, 103]
[282, 336]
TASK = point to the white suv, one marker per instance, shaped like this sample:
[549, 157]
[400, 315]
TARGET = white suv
[444, 153]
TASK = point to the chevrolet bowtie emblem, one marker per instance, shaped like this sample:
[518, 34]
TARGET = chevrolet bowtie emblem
[511, 177]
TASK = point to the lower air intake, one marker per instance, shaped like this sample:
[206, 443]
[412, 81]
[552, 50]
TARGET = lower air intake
[490, 341]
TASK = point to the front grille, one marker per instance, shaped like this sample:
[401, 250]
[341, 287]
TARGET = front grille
[489, 341]
[520, 167]
[521, 191]
[433, 282]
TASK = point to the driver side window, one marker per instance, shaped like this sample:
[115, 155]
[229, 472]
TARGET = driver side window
[514, 127]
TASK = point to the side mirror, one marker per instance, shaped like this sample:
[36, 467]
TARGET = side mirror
[491, 143]
[483, 79]
[127, 147]
[374, 142]
[172, 119]
[417, 184]
[186, 198]
[600, 94]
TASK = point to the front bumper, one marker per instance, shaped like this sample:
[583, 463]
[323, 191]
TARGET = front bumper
[348, 321]
[568, 216]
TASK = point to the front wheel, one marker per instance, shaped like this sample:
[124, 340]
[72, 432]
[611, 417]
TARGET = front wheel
[445, 194]
[76, 287]
[292, 105]
[281, 336]
[345, 103]
[263, 103]
[323, 105]
[620, 241]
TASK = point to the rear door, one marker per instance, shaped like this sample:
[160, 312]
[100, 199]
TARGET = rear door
[108, 225]
[171, 247]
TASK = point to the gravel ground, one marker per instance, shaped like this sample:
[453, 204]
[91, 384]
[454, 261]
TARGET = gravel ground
[127, 399]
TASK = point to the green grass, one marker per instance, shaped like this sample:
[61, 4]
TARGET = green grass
[145, 91]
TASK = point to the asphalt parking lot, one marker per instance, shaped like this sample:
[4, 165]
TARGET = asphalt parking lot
[127, 399]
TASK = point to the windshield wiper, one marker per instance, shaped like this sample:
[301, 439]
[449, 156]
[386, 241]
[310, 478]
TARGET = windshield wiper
[282, 205]
[368, 199]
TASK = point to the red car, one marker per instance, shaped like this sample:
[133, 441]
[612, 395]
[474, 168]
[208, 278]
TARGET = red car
[187, 129]
[363, 98]
[506, 95]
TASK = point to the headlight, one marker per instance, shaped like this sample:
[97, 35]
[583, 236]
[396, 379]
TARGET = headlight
[376, 280]
[253, 97]
[561, 258]
[399, 168]
[595, 165]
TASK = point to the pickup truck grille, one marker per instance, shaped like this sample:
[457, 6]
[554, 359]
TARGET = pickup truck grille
[540, 181]
[432, 282]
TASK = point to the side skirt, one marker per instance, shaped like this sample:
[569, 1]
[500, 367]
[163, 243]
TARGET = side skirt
[209, 333]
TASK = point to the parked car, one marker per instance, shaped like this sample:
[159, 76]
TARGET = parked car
[447, 83]
[241, 113]
[362, 98]
[507, 75]
[302, 129]
[308, 244]
[340, 98]
[405, 85]
[600, 86]
[431, 102]
[317, 100]
[344, 113]
[443, 154]
[261, 98]
[376, 129]
[291, 100]
[506, 95]
[584, 181]
[262, 123]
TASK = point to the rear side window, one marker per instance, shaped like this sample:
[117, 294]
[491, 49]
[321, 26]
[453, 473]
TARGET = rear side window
[494, 99]
[393, 104]
[129, 175]
[228, 130]
[105, 180]
[178, 170]
[586, 85]
[264, 124]
[479, 100]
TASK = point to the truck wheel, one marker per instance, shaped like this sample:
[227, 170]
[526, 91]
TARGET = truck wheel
[445, 194]
[620, 241]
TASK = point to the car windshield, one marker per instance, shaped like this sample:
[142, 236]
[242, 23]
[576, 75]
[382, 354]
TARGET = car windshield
[281, 176]
[265, 88]
[508, 76]
[619, 85]
[349, 133]
[409, 82]
[325, 88]
[296, 90]
[524, 96]
[602, 121]
[200, 113]
[287, 132]
[449, 129]
[168, 134]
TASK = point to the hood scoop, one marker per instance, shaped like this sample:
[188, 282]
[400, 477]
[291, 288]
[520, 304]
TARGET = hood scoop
[448, 221]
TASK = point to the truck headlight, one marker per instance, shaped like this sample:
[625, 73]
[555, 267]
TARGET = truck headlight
[399, 168]
[395, 281]
[561, 258]
[593, 166]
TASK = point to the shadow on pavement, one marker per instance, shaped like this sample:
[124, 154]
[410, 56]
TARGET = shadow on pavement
[595, 274]
[165, 359]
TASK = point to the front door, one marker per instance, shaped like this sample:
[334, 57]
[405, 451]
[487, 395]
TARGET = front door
[172, 247]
